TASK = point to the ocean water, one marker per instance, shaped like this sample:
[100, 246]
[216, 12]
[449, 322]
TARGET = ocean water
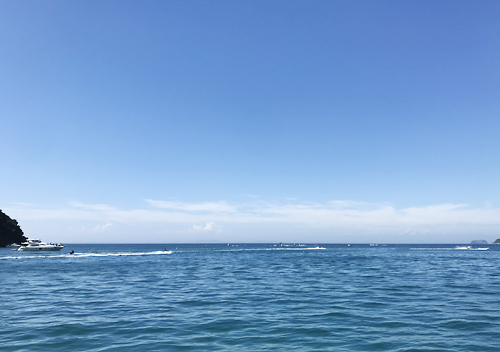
[259, 297]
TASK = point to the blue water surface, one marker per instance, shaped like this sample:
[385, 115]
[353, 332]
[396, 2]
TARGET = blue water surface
[251, 297]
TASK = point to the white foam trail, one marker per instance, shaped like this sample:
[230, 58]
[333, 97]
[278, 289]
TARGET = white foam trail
[80, 255]
[121, 254]
[458, 248]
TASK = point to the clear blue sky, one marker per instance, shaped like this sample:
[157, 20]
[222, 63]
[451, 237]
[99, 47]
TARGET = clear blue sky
[249, 121]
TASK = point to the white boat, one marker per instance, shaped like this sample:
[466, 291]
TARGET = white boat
[37, 245]
[13, 245]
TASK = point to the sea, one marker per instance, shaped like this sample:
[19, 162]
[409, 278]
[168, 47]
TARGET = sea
[251, 297]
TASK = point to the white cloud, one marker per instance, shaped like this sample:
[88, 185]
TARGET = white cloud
[210, 226]
[327, 214]
[103, 228]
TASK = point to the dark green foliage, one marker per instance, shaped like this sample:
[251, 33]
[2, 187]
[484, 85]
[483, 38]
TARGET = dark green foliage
[10, 232]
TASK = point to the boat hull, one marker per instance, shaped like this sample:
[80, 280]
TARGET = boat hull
[40, 249]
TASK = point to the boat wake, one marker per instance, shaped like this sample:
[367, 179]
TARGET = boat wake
[469, 248]
[458, 248]
[121, 254]
[84, 255]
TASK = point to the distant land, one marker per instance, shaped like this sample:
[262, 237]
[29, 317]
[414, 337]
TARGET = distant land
[479, 242]
[497, 241]
[10, 231]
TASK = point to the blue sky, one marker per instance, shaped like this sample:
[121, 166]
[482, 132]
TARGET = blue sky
[256, 121]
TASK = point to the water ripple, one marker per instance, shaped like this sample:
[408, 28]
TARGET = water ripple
[211, 298]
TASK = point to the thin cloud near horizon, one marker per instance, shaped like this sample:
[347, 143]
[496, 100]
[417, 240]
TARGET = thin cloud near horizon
[316, 214]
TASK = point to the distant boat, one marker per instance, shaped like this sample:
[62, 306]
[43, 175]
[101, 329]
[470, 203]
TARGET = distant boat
[13, 245]
[35, 245]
